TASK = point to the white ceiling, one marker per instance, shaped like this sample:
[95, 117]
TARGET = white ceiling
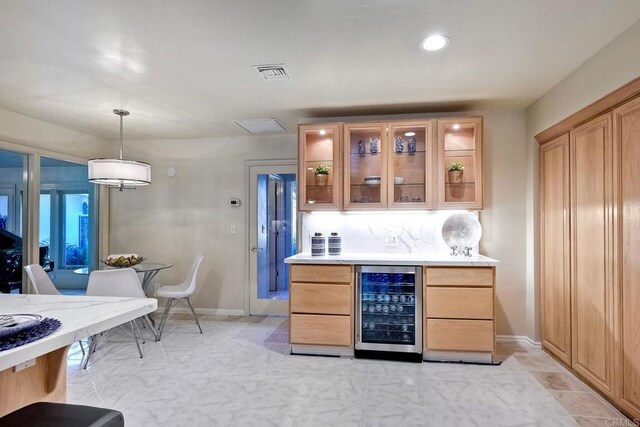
[183, 68]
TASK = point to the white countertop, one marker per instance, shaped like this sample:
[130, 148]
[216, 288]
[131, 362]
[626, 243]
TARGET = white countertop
[394, 259]
[81, 316]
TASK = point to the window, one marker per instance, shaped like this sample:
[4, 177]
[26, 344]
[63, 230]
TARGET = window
[68, 222]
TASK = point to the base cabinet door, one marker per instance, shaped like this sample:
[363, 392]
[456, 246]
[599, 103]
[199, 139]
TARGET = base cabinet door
[321, 329]
[591, 255]
[627, 146]
[460, 335]
[555, 282]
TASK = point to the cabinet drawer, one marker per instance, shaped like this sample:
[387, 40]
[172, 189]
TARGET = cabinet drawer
[322, 273]
[460, 335]
[320, 330]
[320, 298]
[464, 276]
[460, 303]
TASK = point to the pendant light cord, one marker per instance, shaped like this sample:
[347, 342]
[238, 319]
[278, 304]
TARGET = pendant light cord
[121, 139]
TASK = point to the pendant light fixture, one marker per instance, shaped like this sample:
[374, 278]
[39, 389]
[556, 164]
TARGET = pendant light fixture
[120, 173]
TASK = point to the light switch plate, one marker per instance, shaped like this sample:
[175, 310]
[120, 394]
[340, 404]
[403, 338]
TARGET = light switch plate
[392, 240]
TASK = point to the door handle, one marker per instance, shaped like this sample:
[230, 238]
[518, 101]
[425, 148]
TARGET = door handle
[256, 249]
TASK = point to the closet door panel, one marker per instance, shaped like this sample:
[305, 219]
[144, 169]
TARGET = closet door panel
[627, 144]
[591, 258]
[554, 248]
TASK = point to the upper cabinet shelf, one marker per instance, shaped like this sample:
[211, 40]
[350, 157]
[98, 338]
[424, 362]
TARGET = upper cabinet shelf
[391, 165]
[460, 143]
[410, 165]
[365, 166]
[319, 151]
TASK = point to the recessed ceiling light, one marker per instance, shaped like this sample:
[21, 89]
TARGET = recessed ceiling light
[456, 126]
[410, 134]
[323, 132]
[434, 42]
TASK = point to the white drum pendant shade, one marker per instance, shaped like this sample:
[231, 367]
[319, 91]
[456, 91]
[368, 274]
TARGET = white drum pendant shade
[116, 172]
[119, 172]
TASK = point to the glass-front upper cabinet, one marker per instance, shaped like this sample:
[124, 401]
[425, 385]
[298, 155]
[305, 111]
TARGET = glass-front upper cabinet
[410, 165]
[319, 172]
[460, 163]
[365, 166]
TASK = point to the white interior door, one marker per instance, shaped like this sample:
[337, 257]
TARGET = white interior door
[272, 236]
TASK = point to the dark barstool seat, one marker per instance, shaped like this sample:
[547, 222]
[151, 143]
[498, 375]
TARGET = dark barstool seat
[45, 414]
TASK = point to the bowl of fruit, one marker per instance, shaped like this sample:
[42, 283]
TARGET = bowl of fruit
[123, 260]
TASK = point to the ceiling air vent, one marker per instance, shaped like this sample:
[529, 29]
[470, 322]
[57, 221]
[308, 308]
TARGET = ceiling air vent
[272, 71]
[262, 126]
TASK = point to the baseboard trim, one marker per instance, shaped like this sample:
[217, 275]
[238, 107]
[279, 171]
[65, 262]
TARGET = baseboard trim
[218, 311]
[520, 339]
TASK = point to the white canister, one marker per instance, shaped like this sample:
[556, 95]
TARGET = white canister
[318, 244]
[335, 244]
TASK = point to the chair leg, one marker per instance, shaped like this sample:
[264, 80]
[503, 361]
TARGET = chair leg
[92, 349]
[135, 337]
[81, 347]
[145, 319]
[195, 316]
[135, 323]
[167, 309]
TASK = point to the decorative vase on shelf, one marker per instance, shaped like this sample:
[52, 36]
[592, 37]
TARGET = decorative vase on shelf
[322, 179]
[455, 177]
[362, 149]
[412, 145]
[399, 145]
[373, 145]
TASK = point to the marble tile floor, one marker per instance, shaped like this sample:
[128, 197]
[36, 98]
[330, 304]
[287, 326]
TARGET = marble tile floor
[239, 373]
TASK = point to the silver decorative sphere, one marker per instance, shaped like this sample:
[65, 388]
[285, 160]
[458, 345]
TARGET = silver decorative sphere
[462, 230]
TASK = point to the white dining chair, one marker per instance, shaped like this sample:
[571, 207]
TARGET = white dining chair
[40, 280]
[179, 293]
[43, 285]
[115, 283]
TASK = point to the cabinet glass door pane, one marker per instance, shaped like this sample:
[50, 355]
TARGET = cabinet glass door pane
[408, 166]
[388, 308]
[459, 149]
[319, 155]
[366, 165]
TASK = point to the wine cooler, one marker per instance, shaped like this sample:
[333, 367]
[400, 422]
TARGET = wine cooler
[389, 309]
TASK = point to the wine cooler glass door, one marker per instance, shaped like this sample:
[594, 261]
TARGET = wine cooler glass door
[389, 309]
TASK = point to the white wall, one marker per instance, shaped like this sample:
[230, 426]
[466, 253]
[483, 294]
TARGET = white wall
[175, 218]
[613, 66]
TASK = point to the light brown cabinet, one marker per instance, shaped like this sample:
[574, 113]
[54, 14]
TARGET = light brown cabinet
[459, 313]
[626, 136]
[321, 308]
[589, 265]
[388, 165]
[320, 147]
[411, 180]
[591, 255]
[460, 142]
[365, 166]
[391, 165]
[554, 255]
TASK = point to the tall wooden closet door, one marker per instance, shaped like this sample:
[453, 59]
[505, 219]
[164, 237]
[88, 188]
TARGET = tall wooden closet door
[554, 248]
[591, 254]
[627, 146]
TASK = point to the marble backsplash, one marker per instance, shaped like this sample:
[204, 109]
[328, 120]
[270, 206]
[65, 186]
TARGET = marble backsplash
[418, 232]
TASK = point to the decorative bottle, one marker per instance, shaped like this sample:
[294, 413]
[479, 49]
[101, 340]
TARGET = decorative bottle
[318, 244]
[335, 244]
